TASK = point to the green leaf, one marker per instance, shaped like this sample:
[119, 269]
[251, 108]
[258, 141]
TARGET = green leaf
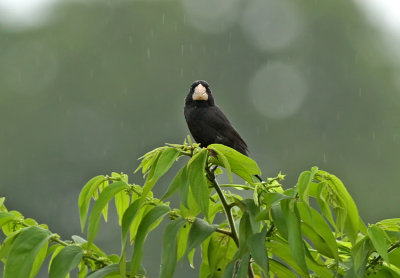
[359, 254]
[221, 250]
[245, 231]
[7, 244]
[241, 165]
[56, 249]
[244, 266]
[325, 242]
[85, 196]
[224, 161]
[66, 260]
[40, 257]
[94, 219]
[6, 217]
[182, 240]
[280, 270]
[122, 200]
[348, 214]
[24, 251]
[144, 228]
[169, 250]
[113, 271]
[198, 181]
[179, 181]
[378, 239]
[294, 233]
[199, 231]
[279, 220]
[304, 182]
[164, 162]
[161, 165]
[280, 248]
[127, 220]
[102, 186]
[256, 244]
[392, 224]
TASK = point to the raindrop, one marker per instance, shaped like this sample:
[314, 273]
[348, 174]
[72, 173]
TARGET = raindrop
[359, 92]
[325, 159]
[148, 53]
[373, 135]
[163, 18]
[182, 50]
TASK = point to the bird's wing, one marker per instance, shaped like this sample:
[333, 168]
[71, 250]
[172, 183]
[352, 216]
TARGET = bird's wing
[225, 133]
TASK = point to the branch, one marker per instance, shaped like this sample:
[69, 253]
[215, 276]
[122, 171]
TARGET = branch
[227, 208]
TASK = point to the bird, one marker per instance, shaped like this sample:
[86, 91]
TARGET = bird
[207, 123]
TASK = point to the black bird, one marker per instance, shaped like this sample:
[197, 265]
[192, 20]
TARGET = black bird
[207, 123]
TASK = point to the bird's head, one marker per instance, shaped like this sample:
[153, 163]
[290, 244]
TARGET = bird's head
[200, 93]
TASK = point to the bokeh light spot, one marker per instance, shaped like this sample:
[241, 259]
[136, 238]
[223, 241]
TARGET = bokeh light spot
[211, 16]
[277, 90]
[271, 25]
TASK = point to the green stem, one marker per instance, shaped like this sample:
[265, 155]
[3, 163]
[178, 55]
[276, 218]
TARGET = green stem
[229, 216]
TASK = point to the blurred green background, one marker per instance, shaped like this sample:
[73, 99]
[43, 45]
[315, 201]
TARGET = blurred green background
[86, 87]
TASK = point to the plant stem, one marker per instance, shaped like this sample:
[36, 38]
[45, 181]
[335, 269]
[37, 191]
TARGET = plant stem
[229, 216]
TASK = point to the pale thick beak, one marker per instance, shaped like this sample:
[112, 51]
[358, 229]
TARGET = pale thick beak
[200, 93]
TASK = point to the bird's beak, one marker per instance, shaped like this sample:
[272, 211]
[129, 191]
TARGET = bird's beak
[200, 93]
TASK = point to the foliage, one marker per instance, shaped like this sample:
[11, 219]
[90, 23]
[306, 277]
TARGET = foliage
[310, 230]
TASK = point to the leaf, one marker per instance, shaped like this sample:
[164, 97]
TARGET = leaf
[279, 220]
[102, 186]
[245, 231]
[85, 196]
[56, 249]
[179, 181]
[349, 213]
[317, 224]
[94, 219]
[127, 220]
[392, 224]
[378, 239]
[6, 217]
[166, 159]
[199, 231]
[111, 270]
[294, 234]
[256, 245]
[122, 200]
[221, 250]
[304, 182]
[280, 270]
[144, 228]
[360, 253]
[161, 165]
[243, 266]
[224, 160]
[40, 257]
[241, 165]
[66, 260]
[169, 250]
[24, 250]
[7, 244]
[198, 181]
[182, 240]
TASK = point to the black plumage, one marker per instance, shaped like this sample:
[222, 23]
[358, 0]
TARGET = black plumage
[206, 122]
